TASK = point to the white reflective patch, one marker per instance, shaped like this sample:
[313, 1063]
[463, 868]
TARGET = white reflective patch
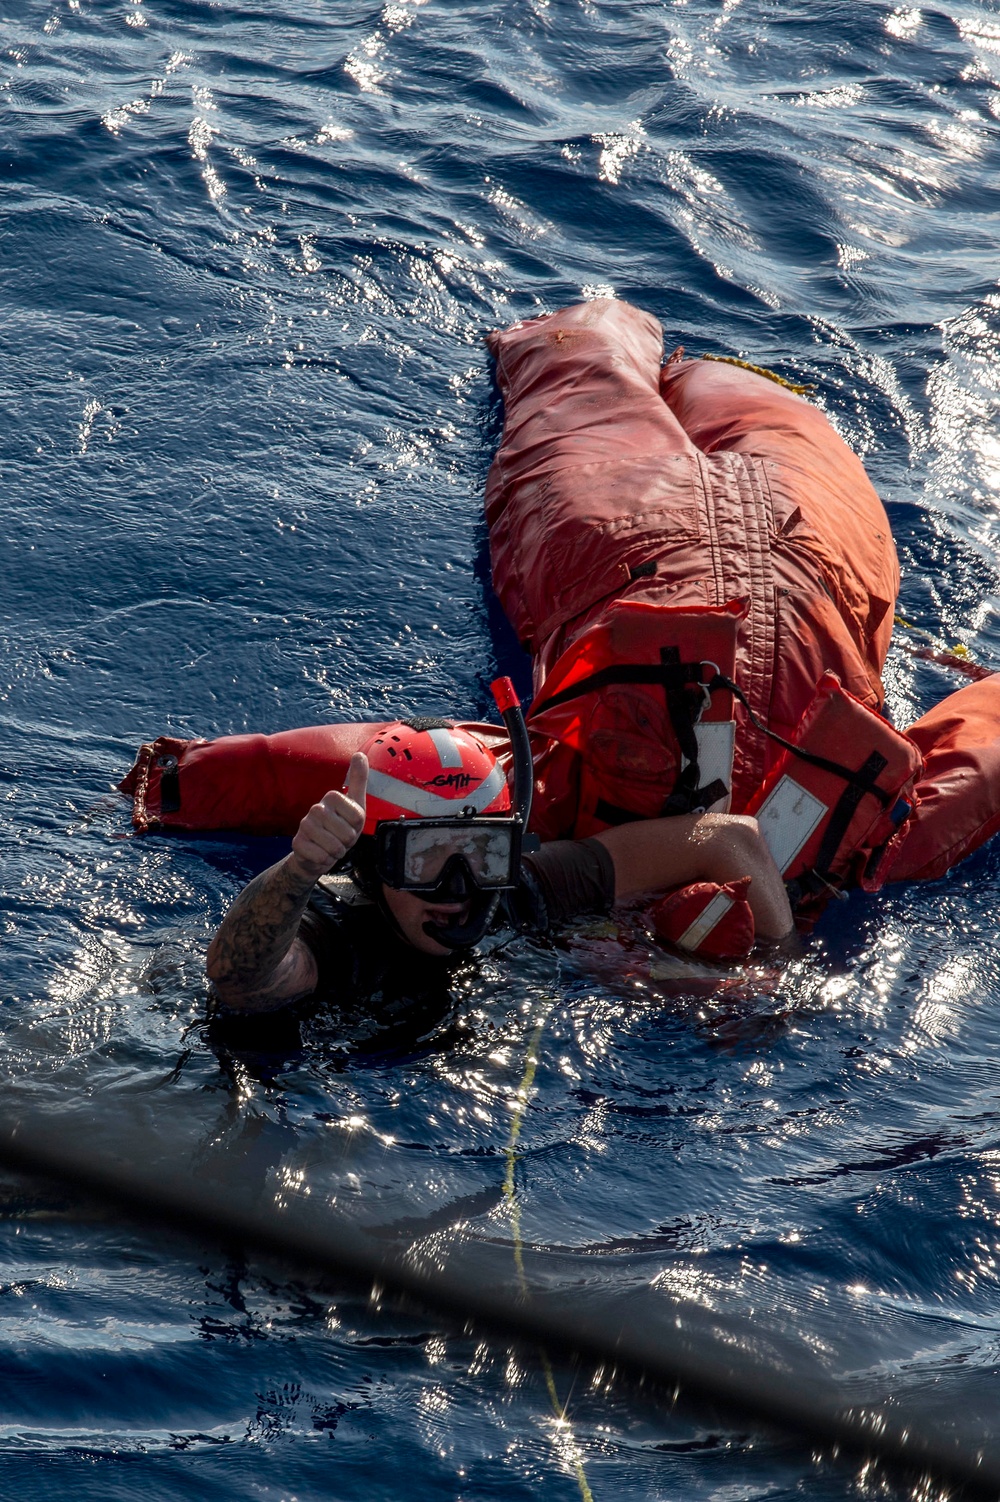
[446, 747]
[705, 921]
[787, 818]
[343, 888]
[716, 745]
[488, 790]
[419, 801]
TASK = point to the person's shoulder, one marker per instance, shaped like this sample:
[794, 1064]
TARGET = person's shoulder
[345, 933]
[563, 880]
[338, 913]
[340, 890]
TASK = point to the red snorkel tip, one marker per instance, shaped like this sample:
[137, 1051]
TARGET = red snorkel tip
[509, 706]
[505, 694]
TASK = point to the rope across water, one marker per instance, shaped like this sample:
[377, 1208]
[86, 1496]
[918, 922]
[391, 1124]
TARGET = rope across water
[510, 1194]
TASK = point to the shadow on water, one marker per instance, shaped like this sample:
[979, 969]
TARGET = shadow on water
[509, 659]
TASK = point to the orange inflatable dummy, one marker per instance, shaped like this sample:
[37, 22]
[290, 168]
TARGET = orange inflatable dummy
[705, 579]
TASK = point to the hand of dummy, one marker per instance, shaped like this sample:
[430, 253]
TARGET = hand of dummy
[708, 919]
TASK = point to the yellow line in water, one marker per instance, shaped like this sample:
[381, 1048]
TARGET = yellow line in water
[510, 1195]
[958, 650]
[762, 370]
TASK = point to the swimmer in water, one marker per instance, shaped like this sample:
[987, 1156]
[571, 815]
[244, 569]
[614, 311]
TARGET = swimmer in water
[426, 833]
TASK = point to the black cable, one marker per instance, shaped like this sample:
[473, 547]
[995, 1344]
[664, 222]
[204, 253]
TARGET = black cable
[846, 774]
[635, 1333]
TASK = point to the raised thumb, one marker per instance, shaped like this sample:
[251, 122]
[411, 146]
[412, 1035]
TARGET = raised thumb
[356, 784]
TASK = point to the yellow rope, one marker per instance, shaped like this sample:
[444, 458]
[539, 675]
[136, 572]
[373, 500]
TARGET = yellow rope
[958, 650]
[762, 370]
[510, 1195]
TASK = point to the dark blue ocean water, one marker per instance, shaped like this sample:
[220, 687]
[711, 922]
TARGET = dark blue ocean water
[248, 254]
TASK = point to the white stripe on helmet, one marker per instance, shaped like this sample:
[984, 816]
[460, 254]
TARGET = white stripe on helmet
[491, 787]
[446, 747]
[428, 805]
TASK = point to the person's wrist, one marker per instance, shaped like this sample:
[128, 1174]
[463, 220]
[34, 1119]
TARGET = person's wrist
[301, 876]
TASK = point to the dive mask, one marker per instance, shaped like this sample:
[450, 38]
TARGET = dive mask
[432, 855]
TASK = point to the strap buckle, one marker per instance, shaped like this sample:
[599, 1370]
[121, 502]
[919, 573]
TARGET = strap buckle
[706, 688]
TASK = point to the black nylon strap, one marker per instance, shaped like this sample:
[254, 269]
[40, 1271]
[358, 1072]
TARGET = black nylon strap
[614, 813]
[669, 674]
[697, 798]
[679, 708]
[843, 813]
[856, 779]
[686, 795]
[686, 803]
[170, 791]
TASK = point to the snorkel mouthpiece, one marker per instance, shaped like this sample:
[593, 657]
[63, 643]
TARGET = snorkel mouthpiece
[468, 934]
[457, 884]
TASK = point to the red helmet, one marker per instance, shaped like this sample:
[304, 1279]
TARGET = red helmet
[431, 773]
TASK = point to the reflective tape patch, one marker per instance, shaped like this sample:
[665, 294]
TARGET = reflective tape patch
[428, 805]
[706, 920]
[716, 744]
[446, 747]
[787, 819]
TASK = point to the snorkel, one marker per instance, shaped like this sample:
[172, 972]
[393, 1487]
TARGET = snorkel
[484, 904]
[510, 709]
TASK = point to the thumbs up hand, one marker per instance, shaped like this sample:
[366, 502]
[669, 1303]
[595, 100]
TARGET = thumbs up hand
[332, 826]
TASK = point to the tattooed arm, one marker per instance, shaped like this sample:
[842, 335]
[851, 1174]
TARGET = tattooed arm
[256, 961]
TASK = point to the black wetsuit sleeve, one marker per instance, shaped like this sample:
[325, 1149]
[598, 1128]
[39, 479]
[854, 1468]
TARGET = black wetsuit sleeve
[564, 879]
[324, 930]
